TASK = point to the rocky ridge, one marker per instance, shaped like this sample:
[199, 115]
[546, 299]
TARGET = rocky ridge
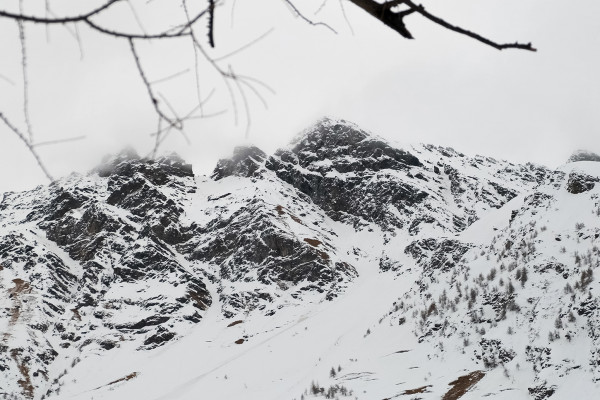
[136, 254]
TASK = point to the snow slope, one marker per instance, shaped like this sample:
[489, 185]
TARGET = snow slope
[342, 266]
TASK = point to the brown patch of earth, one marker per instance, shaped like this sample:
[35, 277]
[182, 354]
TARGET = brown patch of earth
[461, 385]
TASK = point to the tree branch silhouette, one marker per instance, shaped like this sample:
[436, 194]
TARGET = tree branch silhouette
[241, 88]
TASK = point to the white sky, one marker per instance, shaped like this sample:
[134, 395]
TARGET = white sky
[441, 88]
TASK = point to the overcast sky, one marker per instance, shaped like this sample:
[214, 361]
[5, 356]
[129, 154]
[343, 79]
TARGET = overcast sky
[441, 88]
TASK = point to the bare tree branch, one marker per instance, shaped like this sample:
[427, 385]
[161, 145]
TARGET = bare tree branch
[391, 12]
[311, 22]
[384, 13]
[169, 77]
[7, 79]
[244, 101]
[59, 141]
[78, 38]
[174, 123]
[195, 50]
[47, 27]
[86, 18]
[395, 20]
[63, 20]
[421, 10]
[157, 139]
[22, 40]
[161, 134]
[341, 2]
[244, 47]
[180, 120]
[321, 7]
[211, 23]
[136, 16]
[28, 144]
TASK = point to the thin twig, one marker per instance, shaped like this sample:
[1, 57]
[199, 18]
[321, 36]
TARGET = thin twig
[233, 102]
[307, 20]
[244, 47]
[232, 13]
[136, 16]
[157, 139]
[23, 42]
[258, 81]
[196, 64]
[47, 27]
[321, 7]
[27, 143]
[256, 92]
[58, 141]
[209, 115]
[244, 101]
[66, 26]
[6, 79]
[346, 16]
[180, 128]
[162, 133]
[78, 38]
[169, 77]
[175, 123]
[202, 102]
[224, 75]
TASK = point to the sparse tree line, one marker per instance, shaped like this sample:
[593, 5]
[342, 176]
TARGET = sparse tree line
[489, 299]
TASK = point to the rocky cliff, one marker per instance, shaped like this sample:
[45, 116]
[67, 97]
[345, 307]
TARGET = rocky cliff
[340, 266]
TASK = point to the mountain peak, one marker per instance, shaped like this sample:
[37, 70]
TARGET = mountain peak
[245, 162]
[343, 146]
[331, 133]
[128, 162]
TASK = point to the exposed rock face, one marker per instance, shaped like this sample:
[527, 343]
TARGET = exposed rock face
[252, 236]
[432, 254]
[97, 250]
[134, 254]
[359, 179]
[344, 170]
[492, 353]
[542, 392]
[246, 162]
[284, 244]
[580, 183]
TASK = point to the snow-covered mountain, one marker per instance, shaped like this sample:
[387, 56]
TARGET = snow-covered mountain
[342, 266]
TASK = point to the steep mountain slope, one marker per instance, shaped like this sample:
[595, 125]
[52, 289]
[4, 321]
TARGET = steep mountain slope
[88, 263]
[521, 298]
[342, 266]
[360, 179]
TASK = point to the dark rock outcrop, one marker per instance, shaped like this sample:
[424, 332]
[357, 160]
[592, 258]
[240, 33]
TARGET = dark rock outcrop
[580, 183]
[437, 255]
[245, 162]
[343, 170]
[114, 232]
